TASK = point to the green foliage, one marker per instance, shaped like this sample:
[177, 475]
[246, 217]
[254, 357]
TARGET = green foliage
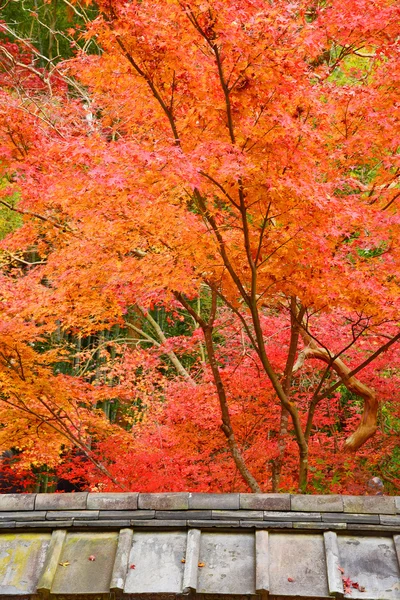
[48, 24]
[9, 220]
[353, 69]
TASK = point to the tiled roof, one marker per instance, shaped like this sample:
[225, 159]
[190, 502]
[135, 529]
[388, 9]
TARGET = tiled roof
[229, 545]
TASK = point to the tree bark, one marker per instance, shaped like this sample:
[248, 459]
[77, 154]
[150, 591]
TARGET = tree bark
[368, 424]
[287, 384]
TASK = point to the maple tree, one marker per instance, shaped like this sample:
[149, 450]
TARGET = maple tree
[234, 164]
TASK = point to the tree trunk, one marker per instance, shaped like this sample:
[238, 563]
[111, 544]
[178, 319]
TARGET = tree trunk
[303, 469]
[278, 462]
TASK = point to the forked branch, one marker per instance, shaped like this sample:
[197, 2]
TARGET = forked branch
[368, 424]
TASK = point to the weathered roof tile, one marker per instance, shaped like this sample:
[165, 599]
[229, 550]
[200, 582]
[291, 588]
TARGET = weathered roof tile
[120, 568]
[82, 574]
[42, 524]
[333, 568]
[13, 502]
[390, 520]
[298, 565]
[74, 501]
[214, 501]
[166, 501]
[265, 501]
[99, 524]
[291, 516]
[228, 565]
[350, 518]
[376, 528]
[8, 524]
[323, 526]
[157, 560]
[255, 515]
[127, 514]
[72, 514]
[113, 501]
[333, 503]
[267, 524]
[369, 504]
[397, 502]
[22, 557]
[212, 523]
[370, 561]
[178, 523]
[24, 515]
[183, 514]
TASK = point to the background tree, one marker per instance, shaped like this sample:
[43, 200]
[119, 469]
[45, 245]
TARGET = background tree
[262, 137]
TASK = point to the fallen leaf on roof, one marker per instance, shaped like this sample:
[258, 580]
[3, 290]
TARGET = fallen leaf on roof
[92, 557]
[64, 564]
[132, 567]
[202, 564]
[183, 560]
[290, 579]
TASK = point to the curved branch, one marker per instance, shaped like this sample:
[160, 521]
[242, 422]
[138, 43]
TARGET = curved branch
[368, 424]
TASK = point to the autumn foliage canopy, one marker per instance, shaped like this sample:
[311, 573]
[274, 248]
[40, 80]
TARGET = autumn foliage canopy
[200, 288]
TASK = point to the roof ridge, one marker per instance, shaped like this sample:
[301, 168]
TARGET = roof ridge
[194, 501]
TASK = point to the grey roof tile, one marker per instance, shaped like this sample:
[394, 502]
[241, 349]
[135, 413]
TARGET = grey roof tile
[24, 515]
[166, 501]
[8, 524]
[52, 559]
[267, 524]
[112, 501]
[22, 559]
[321, 526]
[262, 560]
[371, 562]
[397, 502]
[297, 565]
[317, 503]
[369, 504]
[184, 514]
[390, 520]
[265, 501]
[82, 575]
[214, 501]
[72, 514]
[214, 523]
[377, 528]
[102, 523]
[333, 568]
[157, 558]
[45, 524]
[350, 518]
[127, 514]
[159, 523]
[14, 502]
[254, 515]
[291, 516]
[120, 568]
[192, 559]
[228, 562]
[75, 501]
